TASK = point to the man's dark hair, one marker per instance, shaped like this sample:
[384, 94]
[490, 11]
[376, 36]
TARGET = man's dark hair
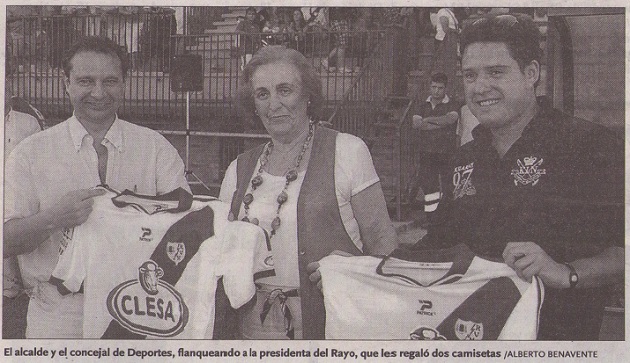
[94, 44]
[517, 31]
[439, 78]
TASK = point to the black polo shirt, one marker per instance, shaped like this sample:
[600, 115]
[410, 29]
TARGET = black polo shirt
[440, 140]
[561, 185]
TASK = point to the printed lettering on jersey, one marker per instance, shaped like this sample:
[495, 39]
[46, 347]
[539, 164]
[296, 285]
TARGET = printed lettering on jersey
[426, 333]
[462, 181]
[66, 237]
[425, 308]
[528, 171]
[468, 330]
[176, 251]
[148, 305]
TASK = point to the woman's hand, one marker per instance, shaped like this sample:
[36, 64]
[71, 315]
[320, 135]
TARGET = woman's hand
[313, 269]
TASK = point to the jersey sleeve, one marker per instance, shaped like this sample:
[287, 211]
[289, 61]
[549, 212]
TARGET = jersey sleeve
[520, 324]
[70, 270]
[245, 257]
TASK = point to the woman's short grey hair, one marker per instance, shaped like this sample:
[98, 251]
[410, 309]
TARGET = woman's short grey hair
[311, 83]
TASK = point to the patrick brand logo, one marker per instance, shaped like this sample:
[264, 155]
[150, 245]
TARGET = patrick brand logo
[425, 308]
[148, 305]
[146, 234]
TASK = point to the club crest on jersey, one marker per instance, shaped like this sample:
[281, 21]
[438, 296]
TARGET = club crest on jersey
[176, 251]
[529, 171]
[426, 333]
[148, 305]
[462, 182]
[468, 330]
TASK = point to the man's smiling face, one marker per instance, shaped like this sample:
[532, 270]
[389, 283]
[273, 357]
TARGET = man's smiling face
[497, 90]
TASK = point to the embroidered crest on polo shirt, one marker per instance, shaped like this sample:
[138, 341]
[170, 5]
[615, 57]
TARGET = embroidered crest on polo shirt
[462, 181]
[529, 171]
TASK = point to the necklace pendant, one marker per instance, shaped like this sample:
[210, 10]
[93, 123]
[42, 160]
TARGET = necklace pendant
[275, 224]
[292, 175]
[248, 199]
[282, 197]
[257, 181]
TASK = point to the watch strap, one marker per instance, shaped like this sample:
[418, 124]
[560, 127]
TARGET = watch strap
[573, 276]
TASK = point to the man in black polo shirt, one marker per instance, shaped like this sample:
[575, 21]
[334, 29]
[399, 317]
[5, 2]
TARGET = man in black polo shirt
[539, 189]
[436, 120]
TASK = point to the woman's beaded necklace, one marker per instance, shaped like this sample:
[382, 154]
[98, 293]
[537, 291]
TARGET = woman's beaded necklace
[290, 176]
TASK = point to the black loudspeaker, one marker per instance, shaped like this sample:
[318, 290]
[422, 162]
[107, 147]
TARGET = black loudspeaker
[186, 73]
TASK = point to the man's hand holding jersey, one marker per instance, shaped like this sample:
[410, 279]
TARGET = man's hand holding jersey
[528, 259]
[23, 235]
[72, 209]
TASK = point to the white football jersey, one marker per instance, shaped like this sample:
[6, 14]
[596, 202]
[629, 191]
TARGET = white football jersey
[428, 295]
[150, 271]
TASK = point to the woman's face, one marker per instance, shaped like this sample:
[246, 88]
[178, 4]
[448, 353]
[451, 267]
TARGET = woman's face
[280, 100]
[297, 16]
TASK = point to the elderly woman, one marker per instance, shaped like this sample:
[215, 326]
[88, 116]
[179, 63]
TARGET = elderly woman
[313, 189]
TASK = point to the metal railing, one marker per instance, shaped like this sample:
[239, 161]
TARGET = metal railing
[37, 45]
[359, 103]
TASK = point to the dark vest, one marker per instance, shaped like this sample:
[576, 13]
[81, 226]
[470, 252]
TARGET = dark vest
[320, 229]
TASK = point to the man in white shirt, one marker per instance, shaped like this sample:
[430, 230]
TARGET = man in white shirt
[49, 177]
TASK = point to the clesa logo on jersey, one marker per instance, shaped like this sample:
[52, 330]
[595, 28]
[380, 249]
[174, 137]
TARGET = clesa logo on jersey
[148, 305]
[426, 333]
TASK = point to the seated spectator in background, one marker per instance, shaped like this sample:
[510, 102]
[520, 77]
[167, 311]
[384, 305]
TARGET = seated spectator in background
[467, 122]
[536, 188]
[250, 41]
[49, 178]
[276, 27]
[340, 26]
[296, 29]
[318, 19]
[436, 120]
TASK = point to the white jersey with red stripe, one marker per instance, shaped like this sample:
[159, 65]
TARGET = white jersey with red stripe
[151, 271]
[428, 295]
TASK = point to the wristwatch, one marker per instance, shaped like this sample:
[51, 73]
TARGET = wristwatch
[573, 276]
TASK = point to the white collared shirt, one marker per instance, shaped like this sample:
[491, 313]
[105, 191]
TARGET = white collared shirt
[446, 99]
[45, 167]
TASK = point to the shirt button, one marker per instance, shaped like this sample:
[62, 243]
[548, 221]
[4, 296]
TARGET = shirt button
[302, 252]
